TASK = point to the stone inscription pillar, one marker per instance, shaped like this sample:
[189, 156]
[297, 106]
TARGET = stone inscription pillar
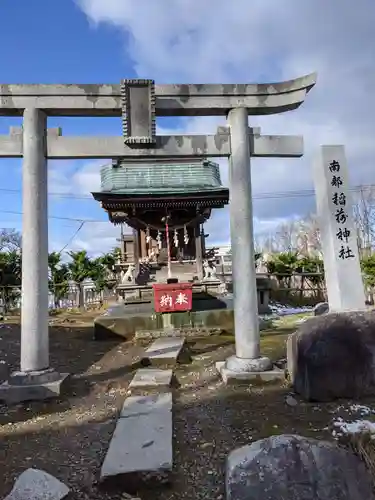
[246, 322]
[34, 325]
[342, 269]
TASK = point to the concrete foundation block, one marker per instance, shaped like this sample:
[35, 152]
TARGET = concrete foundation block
[235, 378]
[18, 389]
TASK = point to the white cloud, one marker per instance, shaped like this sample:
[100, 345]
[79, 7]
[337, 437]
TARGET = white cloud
[257, 41]
[87, 179]
[96, 238]
[70, 179]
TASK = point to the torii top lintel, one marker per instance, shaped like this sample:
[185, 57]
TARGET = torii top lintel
[169, 100]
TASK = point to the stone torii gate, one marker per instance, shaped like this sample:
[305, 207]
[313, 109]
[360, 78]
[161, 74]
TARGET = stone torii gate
[139, 102]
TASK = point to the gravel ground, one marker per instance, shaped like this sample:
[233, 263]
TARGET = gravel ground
[69, 437]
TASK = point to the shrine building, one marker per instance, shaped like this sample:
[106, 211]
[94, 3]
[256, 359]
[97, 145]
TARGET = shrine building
[166, 202]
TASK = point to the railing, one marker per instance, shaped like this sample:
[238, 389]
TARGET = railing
[302, 288]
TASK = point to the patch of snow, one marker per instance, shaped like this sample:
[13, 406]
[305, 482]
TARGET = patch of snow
[283, 310]
[352, 427]
[356, 408]
[363, 410]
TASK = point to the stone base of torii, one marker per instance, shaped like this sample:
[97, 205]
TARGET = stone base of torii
[139, 102]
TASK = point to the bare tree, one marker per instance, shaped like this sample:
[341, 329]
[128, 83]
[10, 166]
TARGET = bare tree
[288, 236]
[364, 218]
[309, 242]
[301, 236]
[266, 243]
[10, 240]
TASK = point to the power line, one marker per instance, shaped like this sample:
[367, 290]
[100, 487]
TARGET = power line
[72, 237]
[86, 221]
[303, 193]
[261, 196]
[59, 195]
[307, 192]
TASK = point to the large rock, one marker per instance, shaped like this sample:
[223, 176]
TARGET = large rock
[296, 468]
[332, 356]
[321, 308]
[35, 484]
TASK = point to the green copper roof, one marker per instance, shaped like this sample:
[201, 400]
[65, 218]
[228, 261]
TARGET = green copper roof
[159, 177]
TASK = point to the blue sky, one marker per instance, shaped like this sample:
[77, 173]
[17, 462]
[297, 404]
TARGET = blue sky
[53, 42]
[94, 41]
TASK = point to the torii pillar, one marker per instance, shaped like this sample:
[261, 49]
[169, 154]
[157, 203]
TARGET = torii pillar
[246, 320]
[36, 380]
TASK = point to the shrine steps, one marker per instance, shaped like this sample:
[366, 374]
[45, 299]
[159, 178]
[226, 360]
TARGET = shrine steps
[185, 272]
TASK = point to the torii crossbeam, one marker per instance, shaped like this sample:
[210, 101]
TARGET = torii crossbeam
[139, 102]
[186, 146]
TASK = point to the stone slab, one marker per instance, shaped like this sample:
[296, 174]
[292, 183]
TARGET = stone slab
[151, 378]
[231, 378]
[142, 441]
[13, 394]
[164, 351]
[136, 405]
[34, 484]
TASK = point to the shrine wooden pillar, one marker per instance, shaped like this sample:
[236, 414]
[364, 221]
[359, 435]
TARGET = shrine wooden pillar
[136, 250]
[143, 244]
[198, 251]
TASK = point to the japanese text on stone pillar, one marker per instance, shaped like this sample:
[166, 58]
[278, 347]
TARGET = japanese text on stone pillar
[340, 211]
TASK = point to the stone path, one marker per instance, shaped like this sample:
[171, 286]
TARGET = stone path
[141, 446]
[142, 441]
[151, 378]
[164, 351]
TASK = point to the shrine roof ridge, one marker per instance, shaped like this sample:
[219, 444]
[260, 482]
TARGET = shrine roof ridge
[160, 191]
[171, 99]
[171, 196]
[159, 177]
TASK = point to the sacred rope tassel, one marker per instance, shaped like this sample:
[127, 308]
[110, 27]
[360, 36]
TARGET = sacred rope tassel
[175, 238]
[148, 237]
[158, 240]
[186, 236]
